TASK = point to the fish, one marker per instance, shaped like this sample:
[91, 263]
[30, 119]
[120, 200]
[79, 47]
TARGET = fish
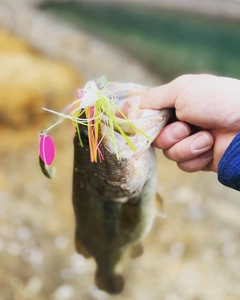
[114, 199]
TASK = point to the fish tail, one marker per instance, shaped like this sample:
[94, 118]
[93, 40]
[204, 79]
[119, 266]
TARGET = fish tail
[111, 283]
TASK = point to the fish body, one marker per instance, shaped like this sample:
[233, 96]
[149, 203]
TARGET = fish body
[114, 199]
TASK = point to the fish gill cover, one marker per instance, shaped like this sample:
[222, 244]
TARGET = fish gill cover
[94, 104]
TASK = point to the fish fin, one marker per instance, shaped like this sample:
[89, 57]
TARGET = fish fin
[81, 249]
[137, 250]
[112, 284]
[159, 206]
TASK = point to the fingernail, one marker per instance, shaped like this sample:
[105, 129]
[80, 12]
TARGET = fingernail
[178, 132]
[200, 142]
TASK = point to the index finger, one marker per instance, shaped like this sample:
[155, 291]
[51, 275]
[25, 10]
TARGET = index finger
[158, 98]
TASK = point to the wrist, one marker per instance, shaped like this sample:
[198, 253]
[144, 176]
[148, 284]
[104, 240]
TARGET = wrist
[222, 142]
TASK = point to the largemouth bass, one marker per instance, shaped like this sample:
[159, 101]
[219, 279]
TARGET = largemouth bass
[114, 199]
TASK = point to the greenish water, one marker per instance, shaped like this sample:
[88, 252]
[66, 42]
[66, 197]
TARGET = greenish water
[169, 43]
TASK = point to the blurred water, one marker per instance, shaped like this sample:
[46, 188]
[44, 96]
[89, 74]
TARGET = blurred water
[169, 43]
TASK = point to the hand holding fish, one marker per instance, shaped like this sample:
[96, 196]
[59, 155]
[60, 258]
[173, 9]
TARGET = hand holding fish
[207, 109]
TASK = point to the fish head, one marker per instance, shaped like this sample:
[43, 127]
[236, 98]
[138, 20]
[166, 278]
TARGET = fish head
[122, 175]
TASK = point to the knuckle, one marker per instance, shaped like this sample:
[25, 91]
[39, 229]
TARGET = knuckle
[182, 80]
[193, 165]
[189, 166]
[173, 154]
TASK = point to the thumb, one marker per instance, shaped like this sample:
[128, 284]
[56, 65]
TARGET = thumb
[158, 98]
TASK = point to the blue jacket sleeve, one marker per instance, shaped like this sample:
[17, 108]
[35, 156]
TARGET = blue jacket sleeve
[229, 165]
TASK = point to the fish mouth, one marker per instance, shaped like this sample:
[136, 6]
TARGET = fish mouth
[141, 126]
[149, 121]
[150, 125]
[128, 101]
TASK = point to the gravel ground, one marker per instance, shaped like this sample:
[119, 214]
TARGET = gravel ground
[193, 254]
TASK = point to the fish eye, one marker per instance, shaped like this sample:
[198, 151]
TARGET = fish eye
[84, 136]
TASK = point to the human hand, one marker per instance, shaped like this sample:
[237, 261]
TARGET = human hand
[208, 104]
